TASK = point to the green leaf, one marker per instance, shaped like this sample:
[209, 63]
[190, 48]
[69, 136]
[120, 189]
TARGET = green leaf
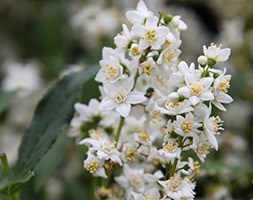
[11, 185]
[5, 99]
[54, 156]
[51, 117]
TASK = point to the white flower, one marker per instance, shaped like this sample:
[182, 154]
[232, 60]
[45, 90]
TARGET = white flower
[105, 148]
[148, 67]
[120, 97]
[178, 188]
[87, 113]
[201, 145]
[176, 107]
[131, 180]
[221, 86]
[197, 89]
[151, 194]
[170, 151]
[212, 126]
[139, 16]
[177, 23]
[151, 34]
[95, 166]
[111, 71]
[130, 151]
[135, 50]
[143, 138]
[216, 53]
[123, 39]
[178, 77]
[186, 126]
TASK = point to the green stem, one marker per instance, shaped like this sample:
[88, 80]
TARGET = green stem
[174, 166]
[121, 123]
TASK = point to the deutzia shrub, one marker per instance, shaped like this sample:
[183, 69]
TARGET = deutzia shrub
[154, 124]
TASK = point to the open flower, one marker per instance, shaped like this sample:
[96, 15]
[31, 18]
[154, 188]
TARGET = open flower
[120, 97]
[151, 34]
[197, 89]
[178, 188]
[139, 15]
[111, 70]
[94, 165]
[216, 54]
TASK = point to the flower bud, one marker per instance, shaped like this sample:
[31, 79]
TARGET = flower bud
[173, 97]
[202, 60]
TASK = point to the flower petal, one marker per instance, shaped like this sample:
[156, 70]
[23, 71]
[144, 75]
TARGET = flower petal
[135, 97]
[123, 109]
[107, 104]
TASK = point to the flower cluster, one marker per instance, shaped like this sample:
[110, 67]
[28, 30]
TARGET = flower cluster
[155, 118]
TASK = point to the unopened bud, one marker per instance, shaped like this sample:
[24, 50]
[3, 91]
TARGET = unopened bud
[173, 97]
[202, 60]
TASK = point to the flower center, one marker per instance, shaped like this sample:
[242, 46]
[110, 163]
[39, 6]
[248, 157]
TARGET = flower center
[119, 98]
[144, 136]
[136, 181]
[148, 69]
[110, 71]
[108, 146]
[169, 56]
[131, 154]
[224, 85]
[92, 166]
[195, 89]
[187, 126]
[170, 147]
[203, 148]
[174, 184]
[169, 104]
[151, 35]
[135, 51]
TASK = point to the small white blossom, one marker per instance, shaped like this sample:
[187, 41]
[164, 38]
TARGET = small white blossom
[197, 89]
[151, 34]
[178, 188]
[120, 97]
[111, 70]
[94, 165]
[139, 16]
[216, 53]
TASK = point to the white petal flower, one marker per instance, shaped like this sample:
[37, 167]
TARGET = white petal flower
[216, 53]
[178, 188]
[197, 89]
[176, 108]
[131, 180]
[151, 34]
[123, 39]
[120, 97]
[139, 16]
[186, 126]
[95, 166]
[111, 71]
[221, 86]
[151, 194]
[170, 151]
